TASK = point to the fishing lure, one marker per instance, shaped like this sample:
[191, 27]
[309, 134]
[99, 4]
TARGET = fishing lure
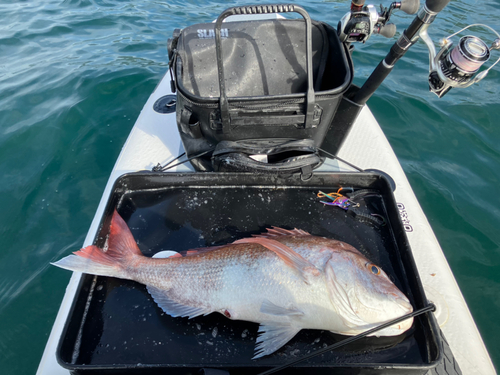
[345, 203]
[338, 200]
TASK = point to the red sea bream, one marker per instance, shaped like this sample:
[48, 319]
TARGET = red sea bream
[286, 280]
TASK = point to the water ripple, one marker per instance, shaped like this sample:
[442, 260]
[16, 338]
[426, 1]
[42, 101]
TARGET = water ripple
[75, 74]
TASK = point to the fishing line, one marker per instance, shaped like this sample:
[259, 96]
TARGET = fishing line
[340, 159]
[428, 308]
[468, 9]
[160, 168]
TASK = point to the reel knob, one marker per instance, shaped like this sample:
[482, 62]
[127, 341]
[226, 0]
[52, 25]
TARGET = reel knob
[410, 6]
[495, 44]
[388, 30]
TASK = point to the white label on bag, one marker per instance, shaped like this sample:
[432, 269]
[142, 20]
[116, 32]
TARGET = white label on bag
[210, 34]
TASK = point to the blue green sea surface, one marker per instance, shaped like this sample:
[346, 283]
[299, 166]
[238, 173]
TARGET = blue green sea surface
[74, 75]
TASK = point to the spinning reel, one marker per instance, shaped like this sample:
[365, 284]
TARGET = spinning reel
[450, 67]
[364, 20]
[457, 67]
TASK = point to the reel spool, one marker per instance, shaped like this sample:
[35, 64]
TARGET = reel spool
[458, 66]
[450, 67]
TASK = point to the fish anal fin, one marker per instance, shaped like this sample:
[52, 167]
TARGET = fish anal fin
[290, 257]
[175, 308]
[268, 307]
[273, 335]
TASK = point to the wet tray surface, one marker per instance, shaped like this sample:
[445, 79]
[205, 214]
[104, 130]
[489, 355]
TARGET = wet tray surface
[115, 325]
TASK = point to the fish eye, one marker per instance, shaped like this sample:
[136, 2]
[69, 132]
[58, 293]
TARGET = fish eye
[373, 268]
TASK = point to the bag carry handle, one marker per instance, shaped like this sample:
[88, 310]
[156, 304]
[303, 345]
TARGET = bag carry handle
[264, 9]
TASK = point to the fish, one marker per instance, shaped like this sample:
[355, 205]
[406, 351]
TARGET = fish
[285, 280]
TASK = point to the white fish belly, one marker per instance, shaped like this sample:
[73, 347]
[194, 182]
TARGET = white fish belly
[245, 289]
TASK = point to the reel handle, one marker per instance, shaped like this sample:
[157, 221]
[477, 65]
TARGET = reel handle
[388, 30]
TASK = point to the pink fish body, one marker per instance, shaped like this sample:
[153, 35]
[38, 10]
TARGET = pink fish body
[286, 280]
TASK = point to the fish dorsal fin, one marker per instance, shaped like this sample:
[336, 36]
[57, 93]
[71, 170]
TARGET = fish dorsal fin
[278, 232]
[286, 254]
[273, 335]
[175, 308]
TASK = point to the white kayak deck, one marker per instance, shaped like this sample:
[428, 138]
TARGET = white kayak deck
[155, 139]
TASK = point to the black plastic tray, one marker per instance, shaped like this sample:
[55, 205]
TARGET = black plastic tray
[115, 326]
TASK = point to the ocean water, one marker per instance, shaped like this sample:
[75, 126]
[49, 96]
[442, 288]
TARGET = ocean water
[75, 74]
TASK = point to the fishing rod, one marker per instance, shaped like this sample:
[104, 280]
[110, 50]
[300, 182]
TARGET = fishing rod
[430, 307]
[450, 67]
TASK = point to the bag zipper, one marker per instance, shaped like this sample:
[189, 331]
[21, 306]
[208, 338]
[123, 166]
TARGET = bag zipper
[255, 106]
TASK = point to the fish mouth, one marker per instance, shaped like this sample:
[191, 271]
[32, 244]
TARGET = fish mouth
[397, 329]
[402, 301]
[400, 306]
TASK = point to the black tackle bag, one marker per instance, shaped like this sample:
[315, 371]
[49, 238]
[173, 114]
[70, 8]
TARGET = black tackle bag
[263, 87]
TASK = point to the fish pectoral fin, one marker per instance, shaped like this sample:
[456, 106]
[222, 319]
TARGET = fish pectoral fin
[268, 307]
[291, 258]
[175, 308]
[273, 335]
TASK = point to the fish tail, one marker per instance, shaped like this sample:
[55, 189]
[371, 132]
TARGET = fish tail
[121, 249]
[94, 264]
